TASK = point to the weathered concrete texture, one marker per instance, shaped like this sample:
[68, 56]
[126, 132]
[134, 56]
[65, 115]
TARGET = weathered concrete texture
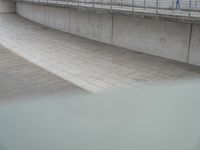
[92, 65]
[39, 14]
[161, 38]
[19, 79]
[157, 37]
[57, 18]
[92, 26]
[27, 12]
[194, 55]
[7, 6]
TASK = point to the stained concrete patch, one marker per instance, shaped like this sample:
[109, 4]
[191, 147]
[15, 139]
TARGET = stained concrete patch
[19, 78]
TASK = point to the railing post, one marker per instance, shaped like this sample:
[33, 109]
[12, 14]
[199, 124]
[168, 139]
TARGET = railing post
[144, 4]
[156, 6]
[93, 4]
[190, 8]
[111, 4]
[133, 5]
[196, 5]
[172, 5]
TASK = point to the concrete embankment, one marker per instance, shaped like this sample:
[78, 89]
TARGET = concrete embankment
[20, 79]
[170, 39]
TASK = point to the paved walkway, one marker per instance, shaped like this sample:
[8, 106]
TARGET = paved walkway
[91, 65]
[19, 79]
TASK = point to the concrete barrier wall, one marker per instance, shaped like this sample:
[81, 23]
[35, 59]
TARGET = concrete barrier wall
[93, 26]
[7, 6]
[89, 25]
[161, 38]
[157, 37]
[194, 53]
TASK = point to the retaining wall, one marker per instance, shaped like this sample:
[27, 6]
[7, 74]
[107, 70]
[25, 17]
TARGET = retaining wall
[194, 54]
[7, 6]
[170, 39]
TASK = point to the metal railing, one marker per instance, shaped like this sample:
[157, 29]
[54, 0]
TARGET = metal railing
[168, 7]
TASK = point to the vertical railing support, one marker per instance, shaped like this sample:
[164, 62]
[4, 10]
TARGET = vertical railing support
[133, 5]
[78, 3]
[196, 5]
[190, 7]
[172, 5]
[156, 6]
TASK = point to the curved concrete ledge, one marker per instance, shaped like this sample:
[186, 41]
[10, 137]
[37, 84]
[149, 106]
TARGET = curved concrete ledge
[169, 39]
[7, 6]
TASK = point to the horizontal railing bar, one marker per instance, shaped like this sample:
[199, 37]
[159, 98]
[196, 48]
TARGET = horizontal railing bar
[168, 7]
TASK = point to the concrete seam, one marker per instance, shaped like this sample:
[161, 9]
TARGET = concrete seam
[44, 15]
[189, 44]
[26, 13]
[112, 29]
[69, 20]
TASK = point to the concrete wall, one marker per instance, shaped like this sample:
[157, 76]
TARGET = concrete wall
[89, 25]
[194, 53]
[157, 37]
[7, 6]
[161, 38]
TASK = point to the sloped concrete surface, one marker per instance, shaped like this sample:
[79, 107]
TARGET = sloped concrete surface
[20, 78]
[89, 64]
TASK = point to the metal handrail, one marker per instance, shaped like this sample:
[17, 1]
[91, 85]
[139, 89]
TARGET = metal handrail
[169, 7]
